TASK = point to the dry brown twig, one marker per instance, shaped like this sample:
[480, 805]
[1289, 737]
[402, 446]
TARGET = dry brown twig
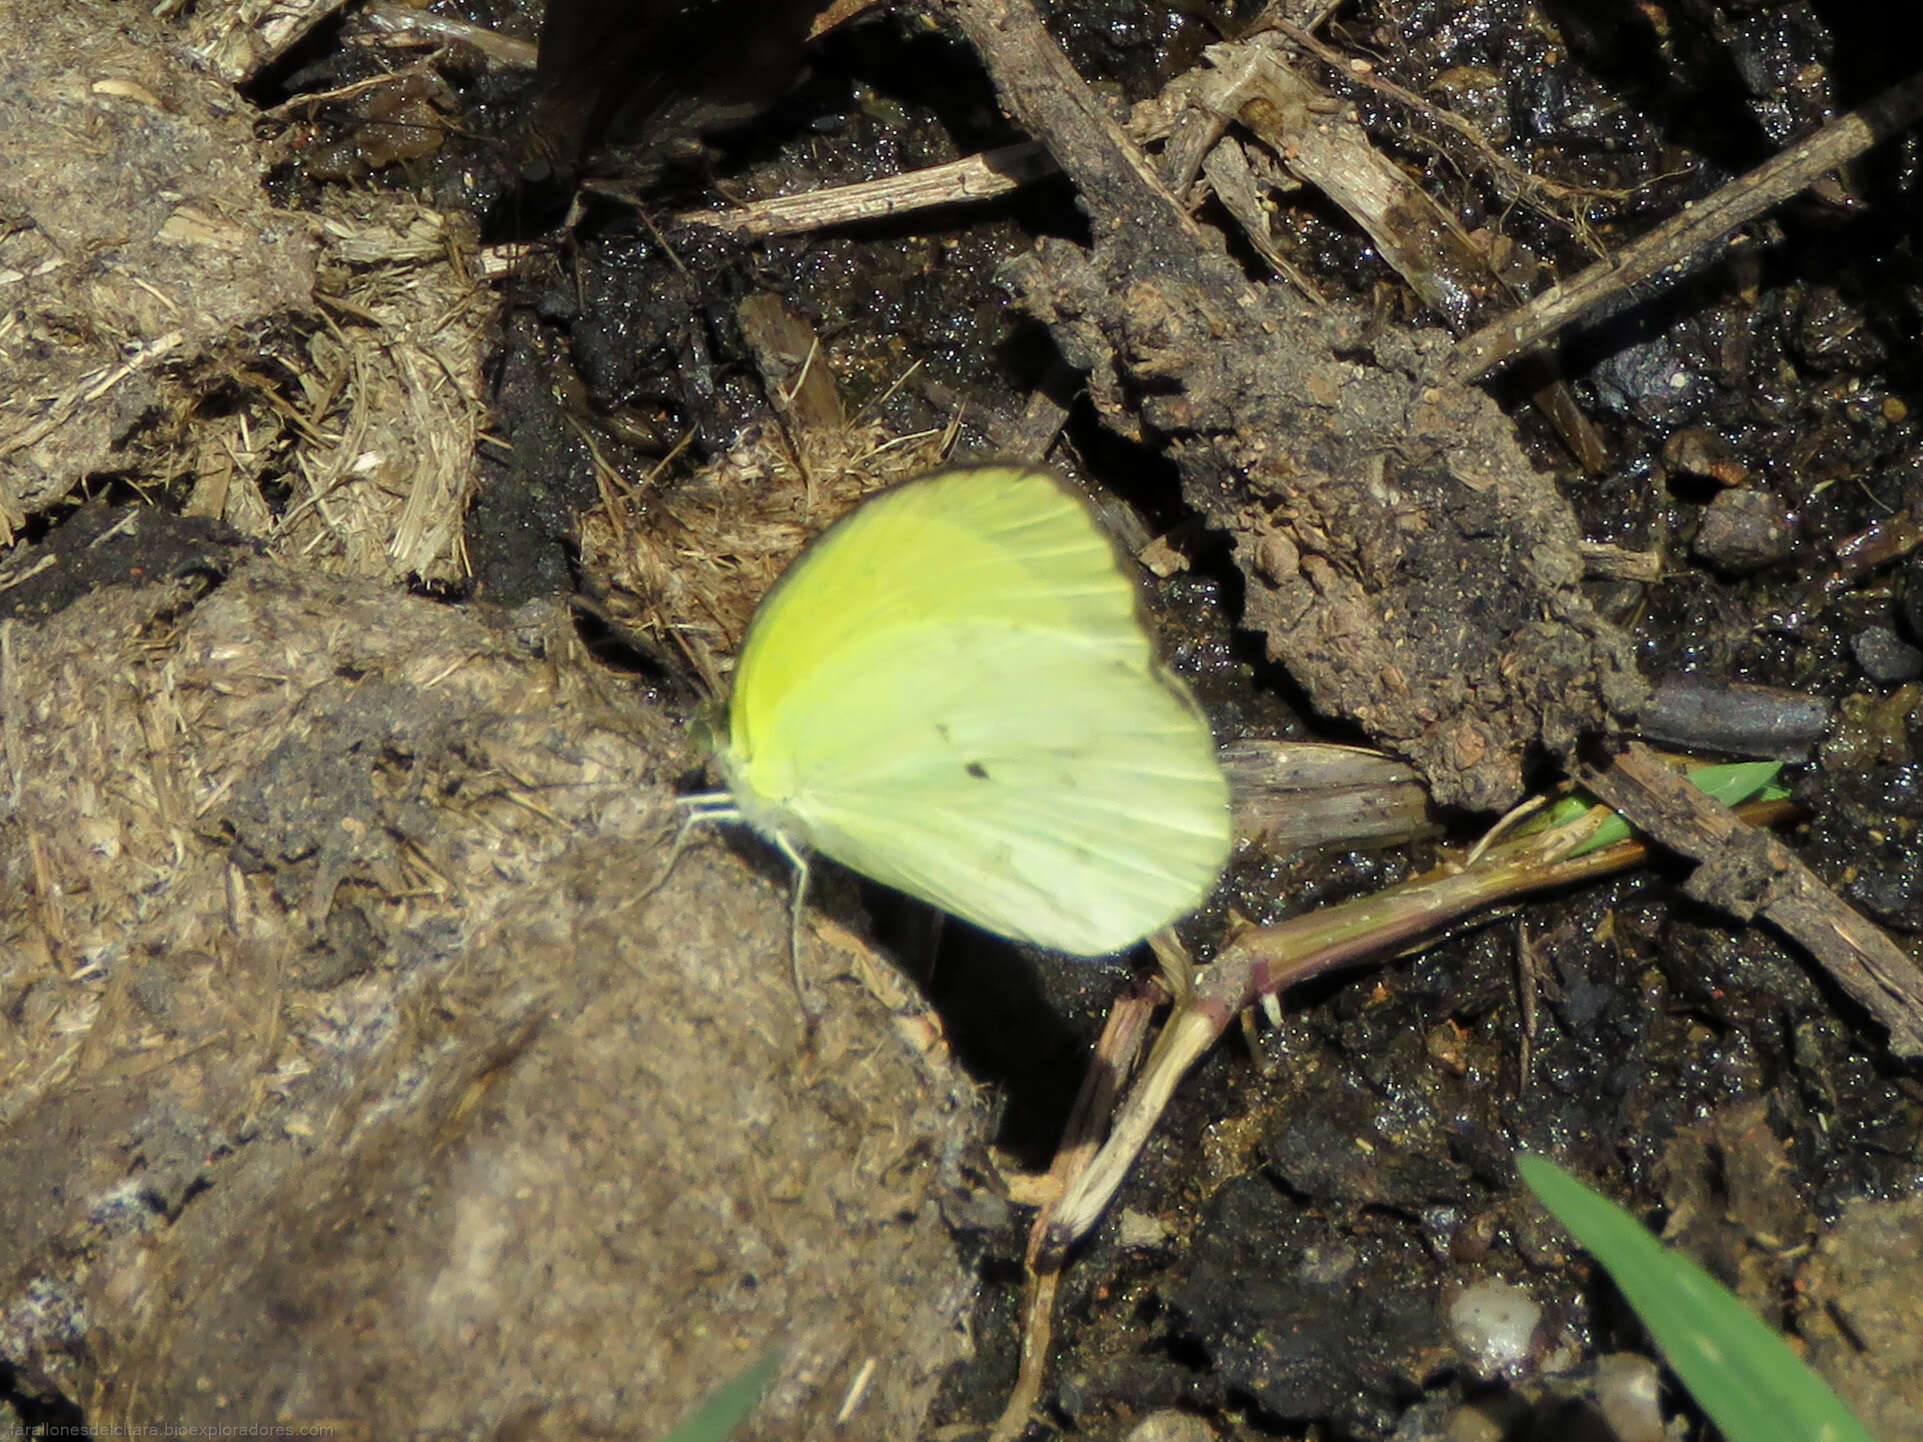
[1113, 1062]
[1747, 873]
[1691, 238]
[975, 177]
[1548, 196]
[427, 67]
[406, 21]
[1319, 137]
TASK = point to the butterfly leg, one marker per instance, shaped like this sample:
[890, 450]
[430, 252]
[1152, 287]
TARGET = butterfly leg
[799, 860]
[719, 806]
[696, 810]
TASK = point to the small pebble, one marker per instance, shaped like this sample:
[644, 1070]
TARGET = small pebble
[1140, 1230]
[1743, 530]
[1494, 1326]
[1629, 1394]
[1885, 656]
[1699, 451]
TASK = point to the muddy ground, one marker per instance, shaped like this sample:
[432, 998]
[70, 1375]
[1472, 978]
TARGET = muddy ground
[352, 1078]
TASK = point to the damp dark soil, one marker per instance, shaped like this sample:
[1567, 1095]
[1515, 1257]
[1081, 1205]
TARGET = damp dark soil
[1292, 1253]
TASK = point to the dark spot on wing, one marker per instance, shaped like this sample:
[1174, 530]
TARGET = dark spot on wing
[977, 770]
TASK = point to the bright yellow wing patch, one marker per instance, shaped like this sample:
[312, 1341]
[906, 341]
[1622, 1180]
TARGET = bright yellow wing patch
[952, 692]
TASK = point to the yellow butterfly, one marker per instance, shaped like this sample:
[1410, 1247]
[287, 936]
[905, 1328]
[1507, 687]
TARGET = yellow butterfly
[952, 692]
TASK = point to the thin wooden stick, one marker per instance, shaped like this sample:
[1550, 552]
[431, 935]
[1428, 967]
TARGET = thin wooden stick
[1690, 239]
[976, 177]
[1749, 873]
[1113, 1060]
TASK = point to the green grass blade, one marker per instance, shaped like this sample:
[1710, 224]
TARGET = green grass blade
[1743, 1376]
[1731, 783]
[716, 1419]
